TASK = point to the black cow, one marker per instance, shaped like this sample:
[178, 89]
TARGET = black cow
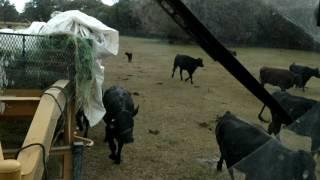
[279, 77]
[82, 122]
[295, 106]
[258, 155]
[309, 125]
[186, 63]
[129, 55]
[119, 119]
[305, 73]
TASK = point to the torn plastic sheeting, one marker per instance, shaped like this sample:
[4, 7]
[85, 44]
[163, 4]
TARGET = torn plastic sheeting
[106, 39]
[105, 43]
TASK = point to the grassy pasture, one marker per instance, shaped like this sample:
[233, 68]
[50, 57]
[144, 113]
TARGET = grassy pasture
[184, 114]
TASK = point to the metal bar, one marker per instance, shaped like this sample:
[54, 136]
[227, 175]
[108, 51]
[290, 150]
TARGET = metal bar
[77, 152]
[22, 34]
[318, 14]
[186, 20]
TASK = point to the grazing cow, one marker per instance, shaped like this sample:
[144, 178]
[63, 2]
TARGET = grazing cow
[119, 119]
[279, 77]
[295, 106]
[259, 156]
[129, 55]
[305, 73]
[186, 63]
[82, 122]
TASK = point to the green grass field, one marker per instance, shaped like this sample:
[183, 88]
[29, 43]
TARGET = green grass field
[184, 114]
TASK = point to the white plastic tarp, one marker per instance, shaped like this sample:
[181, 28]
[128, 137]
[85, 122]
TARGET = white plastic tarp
[105, 43]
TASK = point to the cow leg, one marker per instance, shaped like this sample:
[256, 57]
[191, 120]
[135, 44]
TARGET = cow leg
[190, 77]
[315, 145]
[106, 135]
[118, 156]
[219, 164]
[274, 128]
[173, 70]
[87, 125]
[230, 170]
[181, 74]
[112, 147]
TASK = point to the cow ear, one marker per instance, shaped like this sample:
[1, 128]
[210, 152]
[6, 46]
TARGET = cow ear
[135, 112]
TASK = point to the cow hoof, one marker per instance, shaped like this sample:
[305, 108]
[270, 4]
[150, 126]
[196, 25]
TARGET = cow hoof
[112, 157]
[219, 167]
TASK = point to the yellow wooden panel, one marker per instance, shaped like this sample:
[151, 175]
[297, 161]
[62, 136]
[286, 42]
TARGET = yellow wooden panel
[10, 170]
[41, 131]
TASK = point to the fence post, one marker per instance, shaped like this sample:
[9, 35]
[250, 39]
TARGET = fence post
[23, 46]
[77, 152]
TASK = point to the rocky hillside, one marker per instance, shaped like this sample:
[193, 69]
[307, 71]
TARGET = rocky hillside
[238, 22]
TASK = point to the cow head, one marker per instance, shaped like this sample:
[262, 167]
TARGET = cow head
[200, 62]
[124, 122]
[304, 166]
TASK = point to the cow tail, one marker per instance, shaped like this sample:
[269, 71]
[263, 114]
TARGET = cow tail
[260, 115]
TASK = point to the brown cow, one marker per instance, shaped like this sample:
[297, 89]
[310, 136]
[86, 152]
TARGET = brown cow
[279, 77]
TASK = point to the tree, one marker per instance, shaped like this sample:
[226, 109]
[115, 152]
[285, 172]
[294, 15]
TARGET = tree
[8, 11]
[38, 10]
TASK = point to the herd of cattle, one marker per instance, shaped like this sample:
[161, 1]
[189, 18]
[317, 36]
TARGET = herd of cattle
[266, 158]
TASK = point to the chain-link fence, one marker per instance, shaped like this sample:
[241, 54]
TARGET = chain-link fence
[33, 61]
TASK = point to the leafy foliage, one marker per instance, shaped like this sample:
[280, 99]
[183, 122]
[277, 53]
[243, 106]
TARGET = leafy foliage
[8, 11]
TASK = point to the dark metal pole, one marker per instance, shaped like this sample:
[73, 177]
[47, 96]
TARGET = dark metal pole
[77, 152]
[184, 17]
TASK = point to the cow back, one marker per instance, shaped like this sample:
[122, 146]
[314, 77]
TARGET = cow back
[258, 155]
[295, 106]
[237, 139]
[278, 77]
[186, 62]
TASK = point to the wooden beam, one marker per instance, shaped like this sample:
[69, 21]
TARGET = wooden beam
[22, 92]
[41, 131]
[19, 108]
[1, 152]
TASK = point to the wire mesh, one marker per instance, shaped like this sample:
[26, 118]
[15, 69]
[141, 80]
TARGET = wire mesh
[35, 62]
